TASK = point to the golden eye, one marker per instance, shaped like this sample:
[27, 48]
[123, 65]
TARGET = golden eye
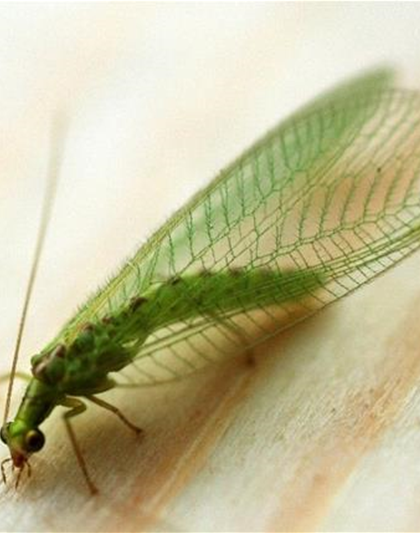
[34, 440]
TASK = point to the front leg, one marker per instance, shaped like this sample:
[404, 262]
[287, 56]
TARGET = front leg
[116, 411]
[18, 375]
[76, 408]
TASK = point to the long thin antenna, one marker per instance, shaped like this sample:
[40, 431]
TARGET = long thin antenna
[56, 143]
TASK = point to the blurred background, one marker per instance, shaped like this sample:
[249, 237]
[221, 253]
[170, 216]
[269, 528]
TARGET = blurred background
[160, 97]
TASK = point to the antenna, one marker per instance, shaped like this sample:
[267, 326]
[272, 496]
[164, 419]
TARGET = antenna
[56, 142]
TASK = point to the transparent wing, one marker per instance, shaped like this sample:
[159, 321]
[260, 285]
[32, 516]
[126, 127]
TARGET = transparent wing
[335, 187]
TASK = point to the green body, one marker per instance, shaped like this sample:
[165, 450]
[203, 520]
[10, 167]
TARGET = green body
[81, 368]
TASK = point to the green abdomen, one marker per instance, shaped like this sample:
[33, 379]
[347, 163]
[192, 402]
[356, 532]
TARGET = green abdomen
[109, 345]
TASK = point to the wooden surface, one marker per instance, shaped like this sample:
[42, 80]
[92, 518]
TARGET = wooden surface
[324, 432]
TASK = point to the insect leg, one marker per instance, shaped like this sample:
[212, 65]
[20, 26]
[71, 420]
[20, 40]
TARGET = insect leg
[3, 470]
[116, 411]
[19, 475]
[20, 375]
[76, 408]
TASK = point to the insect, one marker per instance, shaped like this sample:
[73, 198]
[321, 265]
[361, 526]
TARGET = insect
[320, 205]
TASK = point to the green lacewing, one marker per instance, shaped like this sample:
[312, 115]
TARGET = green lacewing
[320, 205]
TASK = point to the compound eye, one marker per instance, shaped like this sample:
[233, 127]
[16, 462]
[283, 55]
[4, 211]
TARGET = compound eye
[34, 440]
[3, 432]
